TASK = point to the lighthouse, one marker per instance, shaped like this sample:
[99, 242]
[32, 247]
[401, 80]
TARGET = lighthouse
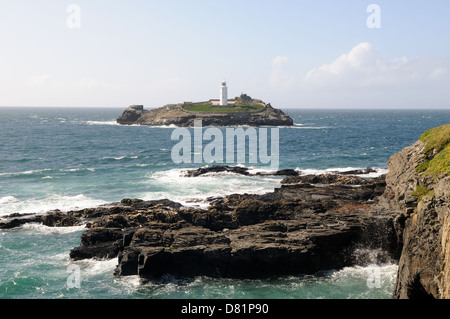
[224, 94]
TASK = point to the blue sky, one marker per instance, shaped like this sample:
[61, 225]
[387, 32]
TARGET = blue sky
[293, 54]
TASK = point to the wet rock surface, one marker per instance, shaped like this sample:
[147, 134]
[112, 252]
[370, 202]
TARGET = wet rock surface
[296, 229]
[216, 169]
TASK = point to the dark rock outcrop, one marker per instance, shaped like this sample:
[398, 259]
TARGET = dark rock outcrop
[327, 179]
[216, 169]
[54, 218]
[254, 236]
[236, 170]
[298, 228]
[131, 114]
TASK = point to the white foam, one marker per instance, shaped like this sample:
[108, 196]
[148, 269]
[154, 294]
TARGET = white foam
[255, 170]
[30, 172]
[139, 165]
[163, 126]
[193, 191]
[11, 204]
[71, 170]
[314, 127]
[102, 123]
[305, 127]
[310, 171]
[7, 199]
[121, 157]
[46, 230]
[93, 267]
[379, 172]
[383, 272]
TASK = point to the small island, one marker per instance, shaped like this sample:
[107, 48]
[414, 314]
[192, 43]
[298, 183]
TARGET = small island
[242, 110]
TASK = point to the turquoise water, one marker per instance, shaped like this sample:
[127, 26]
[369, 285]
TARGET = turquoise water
[35, 264]
[62, 158]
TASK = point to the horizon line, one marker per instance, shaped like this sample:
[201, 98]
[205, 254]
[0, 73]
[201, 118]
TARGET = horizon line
[290, 108]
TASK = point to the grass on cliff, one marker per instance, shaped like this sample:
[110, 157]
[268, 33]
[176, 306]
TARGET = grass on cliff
[436, 138]
[240, 107]
[437, 142]
[421, 191]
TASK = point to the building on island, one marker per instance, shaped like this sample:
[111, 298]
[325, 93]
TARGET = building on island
[223, 97]
[224, 94]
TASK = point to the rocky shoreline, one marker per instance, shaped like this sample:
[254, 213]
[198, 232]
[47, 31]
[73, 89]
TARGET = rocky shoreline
[309, 223]
[301, 227]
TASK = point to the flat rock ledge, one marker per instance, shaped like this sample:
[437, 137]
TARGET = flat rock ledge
[299, 228]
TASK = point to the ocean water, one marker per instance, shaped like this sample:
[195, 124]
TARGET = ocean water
[71, 158]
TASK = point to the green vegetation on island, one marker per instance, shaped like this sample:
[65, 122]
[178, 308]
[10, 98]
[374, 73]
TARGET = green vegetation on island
[243, 103]
[209, 107]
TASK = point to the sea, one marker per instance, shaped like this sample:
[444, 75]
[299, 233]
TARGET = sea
[74, 158]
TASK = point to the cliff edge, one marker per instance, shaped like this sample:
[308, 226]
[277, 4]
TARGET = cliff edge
[418, 189]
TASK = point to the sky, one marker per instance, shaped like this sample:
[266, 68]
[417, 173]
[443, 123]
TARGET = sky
[290, 53]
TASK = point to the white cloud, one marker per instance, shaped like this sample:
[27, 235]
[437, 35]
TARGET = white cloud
[39, 80]
[364, 67]
[438, 73]
[279, 77]
[279, 61]
[362, 77]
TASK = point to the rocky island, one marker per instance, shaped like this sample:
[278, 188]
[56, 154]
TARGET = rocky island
[309, 223]
[242, 110]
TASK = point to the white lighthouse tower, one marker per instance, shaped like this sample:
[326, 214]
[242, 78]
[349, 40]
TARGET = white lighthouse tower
[224, 94]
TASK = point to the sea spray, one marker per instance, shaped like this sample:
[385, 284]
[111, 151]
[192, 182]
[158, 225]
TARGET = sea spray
[11, 204]
[172, 184]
